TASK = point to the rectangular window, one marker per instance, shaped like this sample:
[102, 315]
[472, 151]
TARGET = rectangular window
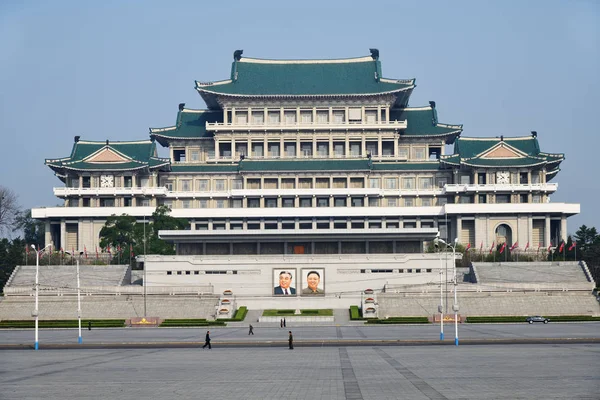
[220, 185]
[290, 149]
[258, 117]
[358, 201]
[501, 198]
[338, 149]
[287, 202]
[391, 183]
[408, 183]
[241, 118]
[409, 202]
[482, 198]
[536, 198]
[374, 183]
[271, 203]
[426, 183]
[253, 203]
[203, 203]
[185, 185]
[419, 153]
[274, 117]
[535, 178]
[241, 149]
[195, 155]
[322, 183]
[236, 203]
[306, 117]
[338, 117]
[203, 185]
[274, 150]
[374, 202]
[322, 201]
[323, 149]
[425, 202]
[146, 203]
[465, 179]
[392, 202]
[186, 203]
[257, 150]
[403, 153]
[339, 202]
[290, 117]
[220, 203]
[323, 117]
[304, 202]
[306, 149]
[371, 116]
[237, 184]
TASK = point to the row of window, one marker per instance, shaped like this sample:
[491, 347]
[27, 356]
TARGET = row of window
[293, 116]
[390, 271]
[196, 272]
[392, 183]
[308, 223]
[362, 271]
[293, 202]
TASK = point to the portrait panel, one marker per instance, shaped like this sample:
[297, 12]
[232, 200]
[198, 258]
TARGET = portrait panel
[313, 281]
[284, 282]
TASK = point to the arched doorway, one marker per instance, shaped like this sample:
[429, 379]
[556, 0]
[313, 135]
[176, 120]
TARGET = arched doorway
[504, 234]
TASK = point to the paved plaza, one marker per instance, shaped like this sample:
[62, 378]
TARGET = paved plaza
[393, 372]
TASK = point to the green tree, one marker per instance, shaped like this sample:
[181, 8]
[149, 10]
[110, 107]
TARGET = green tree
[33, 230]
[11, 255]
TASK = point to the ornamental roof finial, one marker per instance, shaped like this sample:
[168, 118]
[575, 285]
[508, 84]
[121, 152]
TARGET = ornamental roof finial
[237, 55]
[534, 134]
[374, 54]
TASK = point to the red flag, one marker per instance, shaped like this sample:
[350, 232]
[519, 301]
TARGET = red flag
[562, 247]
[514, 246]
[572, 246]
[26, 249]
[131, 250]
[118, 248]
[503, 247]
[549, 248]
[526, 246]
[492, 248]
[481, 247]
[85, 251]
[539, 245]
[108, 249]
[468, 247]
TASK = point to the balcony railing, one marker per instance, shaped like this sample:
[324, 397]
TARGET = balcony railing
[216, 126]
[530, 187]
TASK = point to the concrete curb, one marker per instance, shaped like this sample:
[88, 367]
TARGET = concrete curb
[298, 343]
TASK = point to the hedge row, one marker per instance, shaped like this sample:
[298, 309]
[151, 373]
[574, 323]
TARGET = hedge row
[355, 313]
[96, 323]
[274, 313]
[240, 315]
[399, 320]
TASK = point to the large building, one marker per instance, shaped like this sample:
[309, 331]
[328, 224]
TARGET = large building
[321, 163]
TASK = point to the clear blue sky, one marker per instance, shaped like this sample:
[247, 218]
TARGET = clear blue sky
[112, 69]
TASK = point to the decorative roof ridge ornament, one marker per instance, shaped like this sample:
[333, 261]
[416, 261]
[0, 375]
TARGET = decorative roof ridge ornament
[374, 53]
[237, 55]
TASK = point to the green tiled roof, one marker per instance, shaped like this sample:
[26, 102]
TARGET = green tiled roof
[473, 152]
[422, 121]
[209, 168]
[191, 124]
[406, 166]
[304, 165]
[257, 77]
[135, 155]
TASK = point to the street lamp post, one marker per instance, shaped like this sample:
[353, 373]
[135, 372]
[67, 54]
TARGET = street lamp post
[37, 290]
[441, 307]
[455, 306]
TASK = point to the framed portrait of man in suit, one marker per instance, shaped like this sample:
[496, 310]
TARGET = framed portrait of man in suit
[284, 282]
[313, 281]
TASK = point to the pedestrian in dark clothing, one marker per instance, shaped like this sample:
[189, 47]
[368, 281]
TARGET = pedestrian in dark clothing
[207, 341]
[251, 330]
[89, 325]
[291, 341]
[284, 322]
[281, 323]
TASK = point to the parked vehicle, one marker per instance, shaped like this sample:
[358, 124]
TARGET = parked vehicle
[537, 318]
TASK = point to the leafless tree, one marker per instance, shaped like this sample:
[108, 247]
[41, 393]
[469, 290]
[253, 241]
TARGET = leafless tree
[9, 209]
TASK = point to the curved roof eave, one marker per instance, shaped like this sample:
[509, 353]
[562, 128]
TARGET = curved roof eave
[291, 96]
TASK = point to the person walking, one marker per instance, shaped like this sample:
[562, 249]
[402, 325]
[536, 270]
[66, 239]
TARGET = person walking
[207, 341]
[251, 330]
[281, 323]
[291, 340]
[284, 322]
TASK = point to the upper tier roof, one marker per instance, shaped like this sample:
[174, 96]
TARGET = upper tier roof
[190, 124]
[267, 78]
[501, 152]
[423, 121]
[108, 156]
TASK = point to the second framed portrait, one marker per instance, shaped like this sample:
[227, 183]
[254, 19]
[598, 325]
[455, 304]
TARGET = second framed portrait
[313, 281]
